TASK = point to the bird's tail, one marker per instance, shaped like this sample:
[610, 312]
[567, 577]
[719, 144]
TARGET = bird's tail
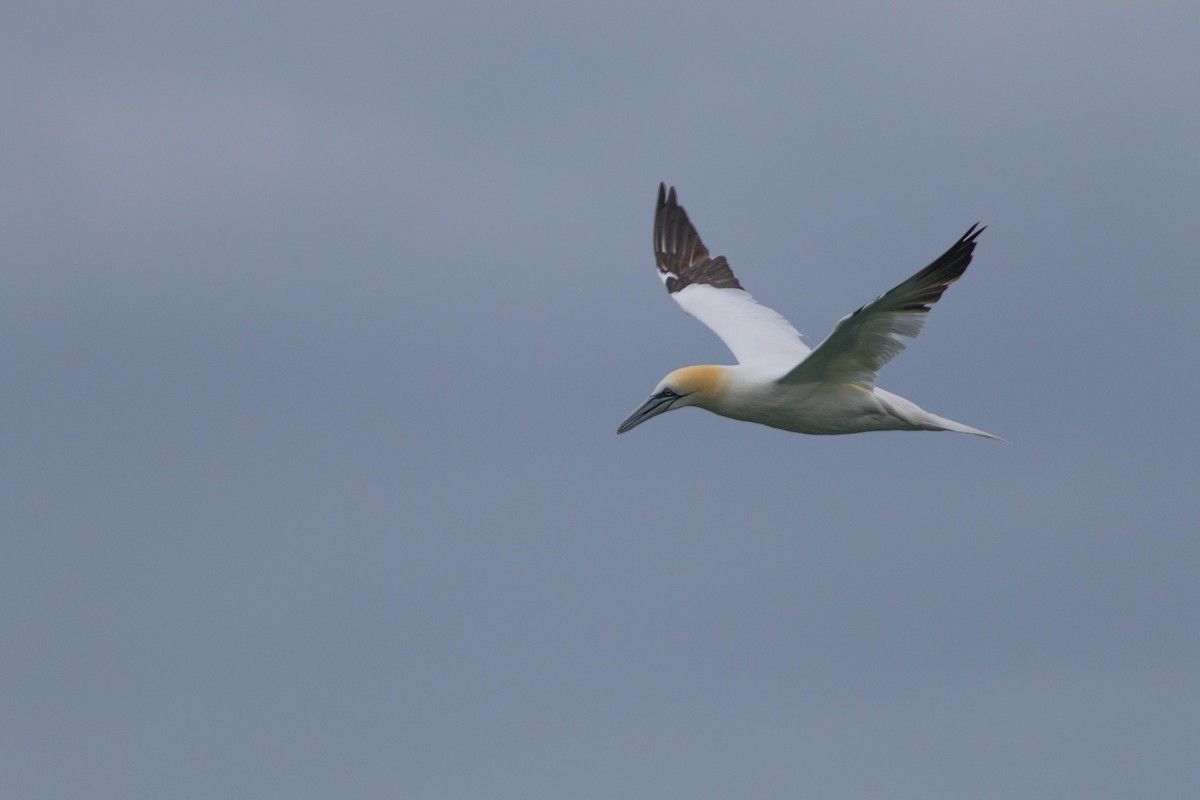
[942, 424]
[908, 411]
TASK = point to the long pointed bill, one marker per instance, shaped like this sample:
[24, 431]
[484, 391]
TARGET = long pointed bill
[651, 408]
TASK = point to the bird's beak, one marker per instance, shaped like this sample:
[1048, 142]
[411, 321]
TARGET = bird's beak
[651, 408]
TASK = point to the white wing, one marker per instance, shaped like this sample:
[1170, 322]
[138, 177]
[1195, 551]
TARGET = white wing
[872, 336]
[707, 289]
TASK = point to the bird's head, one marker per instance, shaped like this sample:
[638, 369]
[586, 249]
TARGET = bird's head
[690, 386]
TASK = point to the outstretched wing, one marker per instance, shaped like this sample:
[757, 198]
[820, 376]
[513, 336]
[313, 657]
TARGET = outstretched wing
[707, 289]
[872, 336]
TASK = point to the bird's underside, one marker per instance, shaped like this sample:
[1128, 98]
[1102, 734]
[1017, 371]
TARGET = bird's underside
[828, 409]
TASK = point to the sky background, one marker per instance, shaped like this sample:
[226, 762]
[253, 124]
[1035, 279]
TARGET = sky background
[318, 321]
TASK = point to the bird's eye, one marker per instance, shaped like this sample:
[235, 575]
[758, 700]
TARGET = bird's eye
[667, 393]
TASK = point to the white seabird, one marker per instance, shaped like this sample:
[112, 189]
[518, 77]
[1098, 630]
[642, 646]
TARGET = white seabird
[778, 380]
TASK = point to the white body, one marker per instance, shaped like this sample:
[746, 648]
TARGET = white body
[754, 394]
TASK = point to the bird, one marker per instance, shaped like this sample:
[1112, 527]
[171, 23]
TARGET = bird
[778, 380]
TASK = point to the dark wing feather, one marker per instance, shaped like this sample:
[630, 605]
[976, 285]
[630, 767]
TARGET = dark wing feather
[682, 258]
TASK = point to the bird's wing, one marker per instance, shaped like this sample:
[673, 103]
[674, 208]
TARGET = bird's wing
[872, 336]
[707, 289]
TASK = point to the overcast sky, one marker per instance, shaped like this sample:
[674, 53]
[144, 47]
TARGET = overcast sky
[318, 321]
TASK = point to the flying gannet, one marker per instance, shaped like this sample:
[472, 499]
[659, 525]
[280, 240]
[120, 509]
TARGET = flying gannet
[778, 380]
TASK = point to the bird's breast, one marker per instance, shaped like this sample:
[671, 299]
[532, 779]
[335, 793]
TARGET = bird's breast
[813, 408]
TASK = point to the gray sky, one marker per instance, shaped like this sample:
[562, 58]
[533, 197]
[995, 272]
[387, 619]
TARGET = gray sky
[319, 320]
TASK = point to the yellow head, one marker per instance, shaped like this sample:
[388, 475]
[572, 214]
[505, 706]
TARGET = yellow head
[690, 386]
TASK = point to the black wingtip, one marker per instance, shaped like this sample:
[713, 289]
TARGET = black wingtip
[666, 195]
[972, 233]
